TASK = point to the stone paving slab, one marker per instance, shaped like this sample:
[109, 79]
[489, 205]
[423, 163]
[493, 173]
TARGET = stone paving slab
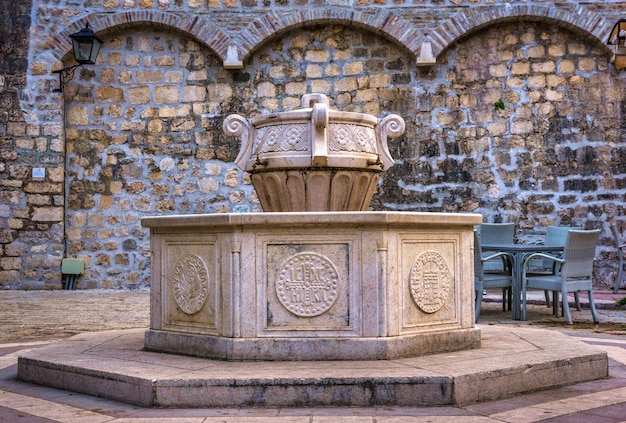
[510, 361]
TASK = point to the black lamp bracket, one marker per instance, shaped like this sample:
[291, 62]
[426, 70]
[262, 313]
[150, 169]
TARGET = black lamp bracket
[65, 76]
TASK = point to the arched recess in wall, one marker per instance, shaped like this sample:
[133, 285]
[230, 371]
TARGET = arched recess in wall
[143, 138]
[582, 22]
[198, 28]
[273, 25]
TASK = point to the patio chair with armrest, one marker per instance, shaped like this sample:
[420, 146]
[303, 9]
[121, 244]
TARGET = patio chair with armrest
[620, 245]
[574, 272]
[484, 280]
[497, 233]
[555, 236]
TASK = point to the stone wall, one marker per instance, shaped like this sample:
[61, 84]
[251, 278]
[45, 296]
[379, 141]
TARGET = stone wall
[14, 26]
[520, 119]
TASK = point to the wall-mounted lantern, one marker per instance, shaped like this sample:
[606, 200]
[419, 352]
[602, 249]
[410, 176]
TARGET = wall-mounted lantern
[86, 46]
[617, 39]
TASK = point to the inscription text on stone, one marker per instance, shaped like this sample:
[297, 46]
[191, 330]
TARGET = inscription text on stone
[307, 284]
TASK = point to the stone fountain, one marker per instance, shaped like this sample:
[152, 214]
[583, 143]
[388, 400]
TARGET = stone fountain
[255, 305]
[316, 276]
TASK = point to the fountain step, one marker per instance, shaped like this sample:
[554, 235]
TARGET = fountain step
[511, 360]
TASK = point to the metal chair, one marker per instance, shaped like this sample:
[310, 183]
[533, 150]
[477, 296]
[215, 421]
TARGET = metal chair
[620, 245]
[574, 272]
[484, 280]
[555, 236]
[497, 233]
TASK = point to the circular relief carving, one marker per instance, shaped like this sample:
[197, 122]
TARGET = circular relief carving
[266, 139]
[430, 281]
[341, 138]
[307, 284]
[191, 283]
[353, 138]
[295, 138]
[279, 138]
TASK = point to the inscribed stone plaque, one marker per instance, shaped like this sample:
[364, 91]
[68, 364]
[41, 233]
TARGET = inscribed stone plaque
[430, 281]
[308, 286]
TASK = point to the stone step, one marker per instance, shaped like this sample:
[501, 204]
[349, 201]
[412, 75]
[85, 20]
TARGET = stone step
[511, 360]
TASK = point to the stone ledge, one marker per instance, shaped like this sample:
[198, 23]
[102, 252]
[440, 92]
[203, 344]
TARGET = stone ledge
[370, 218]
[312, 348]
[510, 361]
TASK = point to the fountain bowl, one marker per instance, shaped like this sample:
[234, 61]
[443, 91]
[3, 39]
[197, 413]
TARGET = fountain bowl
[314, 158]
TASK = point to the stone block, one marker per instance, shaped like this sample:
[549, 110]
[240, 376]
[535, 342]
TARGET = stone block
[109, 94]
[346, 84]
[366, 95]
[295, 88]
[148, 76]
[266, 89]
[320, 86]
[9, 276]
[174, 77]
[131, 60]
[16, 128]
[165, 61]
[219, 92]
[577, 48]
[167, 94]
[193, 93]
[355, 68]
[317, 56]
[379, 81]
[520, 68]
[10, 263]
[544, 67]
[139, 95]
[47, 214]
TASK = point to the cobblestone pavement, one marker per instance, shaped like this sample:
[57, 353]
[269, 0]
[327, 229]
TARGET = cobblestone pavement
[30, 319]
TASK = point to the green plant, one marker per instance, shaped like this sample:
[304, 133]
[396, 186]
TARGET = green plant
[499, 105]
[621, 303]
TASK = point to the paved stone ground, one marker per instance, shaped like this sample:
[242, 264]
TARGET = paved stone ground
[40, 315]
[29, 319]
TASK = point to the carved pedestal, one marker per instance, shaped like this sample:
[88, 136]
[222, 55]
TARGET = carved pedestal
[312, 286]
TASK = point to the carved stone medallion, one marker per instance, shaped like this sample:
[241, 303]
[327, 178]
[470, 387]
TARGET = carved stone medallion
[430, 281]
[307, 284]
[191, 283]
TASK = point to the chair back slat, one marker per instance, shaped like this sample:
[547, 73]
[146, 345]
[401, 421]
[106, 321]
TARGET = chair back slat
[579, 253]
[497, 233]
[556, 235]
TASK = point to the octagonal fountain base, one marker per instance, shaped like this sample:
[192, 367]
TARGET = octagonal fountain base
[312, 286]
[511, 360]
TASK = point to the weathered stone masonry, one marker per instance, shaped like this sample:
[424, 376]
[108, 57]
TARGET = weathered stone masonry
[140, 132]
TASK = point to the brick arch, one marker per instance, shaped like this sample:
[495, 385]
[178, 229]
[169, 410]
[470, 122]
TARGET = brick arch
[580, 21]
[198, 27]
[391, 26]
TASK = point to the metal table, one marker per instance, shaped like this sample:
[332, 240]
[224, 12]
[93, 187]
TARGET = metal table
[519, 251]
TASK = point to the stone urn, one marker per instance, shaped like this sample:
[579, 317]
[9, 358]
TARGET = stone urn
[314, 158]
